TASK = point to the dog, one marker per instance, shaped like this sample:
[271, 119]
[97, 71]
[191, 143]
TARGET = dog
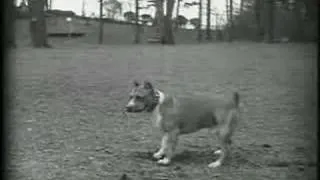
[176, 116]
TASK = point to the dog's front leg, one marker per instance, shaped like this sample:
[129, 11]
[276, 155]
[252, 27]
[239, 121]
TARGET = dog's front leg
[169, 147]
[159, 154]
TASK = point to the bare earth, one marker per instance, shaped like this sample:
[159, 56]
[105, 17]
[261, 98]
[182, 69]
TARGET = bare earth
[67, 122]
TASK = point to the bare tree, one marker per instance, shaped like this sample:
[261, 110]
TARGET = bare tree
[181, 20]
[168, 33]
[159, 18]
[10, 16]
[163, 24]
[269, 21]
[83, 10]
[38, 27]
[129, 16]
[298, 34]
[112, 7]
[200, 21]
[258, 9]
[241, 6]
[227, 10]
[137, 35]
[209, 20]
[101, 22]
[231, 33]
[50, 4]
[177, 14]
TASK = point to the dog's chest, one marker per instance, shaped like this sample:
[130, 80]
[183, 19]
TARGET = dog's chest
[157, 117]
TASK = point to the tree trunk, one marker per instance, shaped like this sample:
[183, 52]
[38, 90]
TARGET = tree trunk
[228, 21]
[168, 30]
[200, 21]
[38, 24]
[10, 16]
[177, 14]
[50, 4]
[158, 22]
[258, 9]
[209, 20]
[231, 32]
[227, 10]
[298, 33]
[101, 23]
[137, 35]
[269, 21]
[241, 6]
[46, 5]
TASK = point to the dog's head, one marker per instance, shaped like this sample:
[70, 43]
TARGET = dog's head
[143, 97]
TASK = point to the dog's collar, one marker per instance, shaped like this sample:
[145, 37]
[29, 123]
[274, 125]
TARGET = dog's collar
[155, 101]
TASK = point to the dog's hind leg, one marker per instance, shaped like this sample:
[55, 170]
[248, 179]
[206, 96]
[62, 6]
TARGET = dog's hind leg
[225, 142]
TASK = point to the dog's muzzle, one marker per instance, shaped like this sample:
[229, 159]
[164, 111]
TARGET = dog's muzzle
[132, 109]
[129, 109]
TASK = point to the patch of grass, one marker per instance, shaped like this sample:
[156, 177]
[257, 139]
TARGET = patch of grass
[67, 103]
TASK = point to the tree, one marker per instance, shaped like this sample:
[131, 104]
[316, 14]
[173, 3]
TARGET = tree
[50, 4]
[195, 22]
[137, 35]
[241, 6]
[168, 33]
[258, 9]
[297, 11]
[83, 9]
[163, 23]
[158, 22]
[101, 22]
[10, 16]
[129, 16]
[112, 7]
[46, 5]
[181, 20]
[38, 27]
[287, 20]
[177, 15]
[146, 18]
[231, 30]
[269, 34]
[208, 20]
[200, 21]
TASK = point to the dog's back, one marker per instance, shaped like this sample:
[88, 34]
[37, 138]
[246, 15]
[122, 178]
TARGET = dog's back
[192, 113]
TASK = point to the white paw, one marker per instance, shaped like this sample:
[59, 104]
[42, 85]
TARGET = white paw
[214, 164]
[158, 155]
[217, 152]
[164, 161]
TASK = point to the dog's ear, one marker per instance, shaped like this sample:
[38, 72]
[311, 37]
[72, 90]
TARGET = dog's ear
[148, 85]
[136, 83]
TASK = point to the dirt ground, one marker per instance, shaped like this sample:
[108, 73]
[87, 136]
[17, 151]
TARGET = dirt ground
[67, 118]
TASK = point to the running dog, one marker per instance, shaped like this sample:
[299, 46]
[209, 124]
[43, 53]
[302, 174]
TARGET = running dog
[183, 115]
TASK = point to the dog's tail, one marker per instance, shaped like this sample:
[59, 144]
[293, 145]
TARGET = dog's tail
[236, 98]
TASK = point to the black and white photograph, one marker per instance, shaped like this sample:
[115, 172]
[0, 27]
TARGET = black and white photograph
[161, 89]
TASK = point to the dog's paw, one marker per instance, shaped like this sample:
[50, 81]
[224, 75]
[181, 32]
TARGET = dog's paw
[164, 161]
[158, 155]
[214, 164]
[217, 152]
